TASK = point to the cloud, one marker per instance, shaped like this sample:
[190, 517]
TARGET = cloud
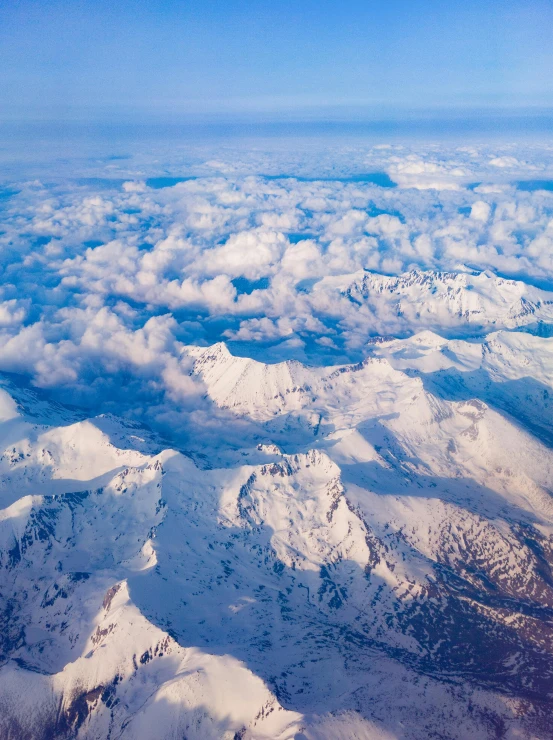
[480, 210]
[251, 254]
[108, 279]
[414, 171]
[503, 162]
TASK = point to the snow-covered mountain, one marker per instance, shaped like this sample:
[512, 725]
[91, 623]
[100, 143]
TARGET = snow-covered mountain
[463, 301]
[377, 565]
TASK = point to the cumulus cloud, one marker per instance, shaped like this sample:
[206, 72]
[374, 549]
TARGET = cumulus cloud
[504, 162]
[107, 279]
[480, 210]
[414, 171]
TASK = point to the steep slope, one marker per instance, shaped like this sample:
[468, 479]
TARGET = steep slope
[71, 634]
[511, 371]
[354, 411]
[262, 392]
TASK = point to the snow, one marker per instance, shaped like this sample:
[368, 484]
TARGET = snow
[371, 562]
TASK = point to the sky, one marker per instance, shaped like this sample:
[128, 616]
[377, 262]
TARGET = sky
[306, 58]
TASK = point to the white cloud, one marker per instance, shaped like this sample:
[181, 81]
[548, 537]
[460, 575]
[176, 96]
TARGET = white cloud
[480, 210]
[100, 282]
[504, 162]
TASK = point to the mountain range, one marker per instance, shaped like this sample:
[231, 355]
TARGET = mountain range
[352, 551]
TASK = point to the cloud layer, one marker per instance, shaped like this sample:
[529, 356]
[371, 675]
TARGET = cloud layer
[108, 271]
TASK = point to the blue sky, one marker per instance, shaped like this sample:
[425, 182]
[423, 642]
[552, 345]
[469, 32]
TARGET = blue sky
[306, 57]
